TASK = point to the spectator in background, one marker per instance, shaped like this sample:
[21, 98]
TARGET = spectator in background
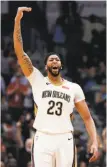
[28, 101]
[100, 103]
[30, 121]
[7, 58]
[37, 60]
[11, 161]
[82, 70]
[103, 44]
[24, 128]
[25, 153]
[74, 33]
[24, 145]
[3, 86]
[82, 156]
[16, 91]
[101, 75]
[94, 46]
[3, 149]
[91, 79]
[59, 37]
[4, 104]
[27, 130]
[8, 130]
[89, 24]
[9, 135]
[19, 137]
[5, 70]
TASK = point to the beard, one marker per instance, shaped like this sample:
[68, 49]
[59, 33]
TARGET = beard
[52, 72]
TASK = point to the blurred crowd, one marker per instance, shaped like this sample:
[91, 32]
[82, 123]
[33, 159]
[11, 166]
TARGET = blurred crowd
[81, 42]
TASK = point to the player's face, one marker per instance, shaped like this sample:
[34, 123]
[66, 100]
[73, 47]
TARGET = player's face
[53, 65]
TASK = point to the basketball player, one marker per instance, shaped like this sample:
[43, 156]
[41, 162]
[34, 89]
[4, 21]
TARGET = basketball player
[55, 98]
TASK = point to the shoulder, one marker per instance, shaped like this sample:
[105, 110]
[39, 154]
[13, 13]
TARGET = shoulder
[75, 85]
[74, 88]
[35, 74]
[72, 84]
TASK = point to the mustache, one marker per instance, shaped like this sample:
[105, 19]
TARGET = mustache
[52, 73]
[50, 68]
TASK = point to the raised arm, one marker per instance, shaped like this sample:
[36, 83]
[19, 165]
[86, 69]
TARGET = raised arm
[23, 59]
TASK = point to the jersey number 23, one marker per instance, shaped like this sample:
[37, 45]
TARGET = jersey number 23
[52, 105]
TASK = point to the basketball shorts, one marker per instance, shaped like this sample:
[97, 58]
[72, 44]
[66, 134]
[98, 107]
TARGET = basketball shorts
[50, 150]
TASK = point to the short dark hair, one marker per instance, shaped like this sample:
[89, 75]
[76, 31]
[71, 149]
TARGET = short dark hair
[50, 54]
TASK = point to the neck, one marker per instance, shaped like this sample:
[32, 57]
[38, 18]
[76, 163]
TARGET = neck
[55, 80]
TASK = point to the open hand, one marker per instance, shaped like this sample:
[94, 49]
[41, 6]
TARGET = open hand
[20, 11]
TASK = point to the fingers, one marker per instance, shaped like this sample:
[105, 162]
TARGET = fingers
[92, 150]
[95, 155]
[22, 9]
[93, 158]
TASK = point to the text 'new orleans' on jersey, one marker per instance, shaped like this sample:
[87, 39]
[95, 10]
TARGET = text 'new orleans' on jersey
[55, 103]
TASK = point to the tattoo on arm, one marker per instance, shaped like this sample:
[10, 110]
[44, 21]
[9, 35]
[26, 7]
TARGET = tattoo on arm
[27, 62]
[18, 34]
[23, 59]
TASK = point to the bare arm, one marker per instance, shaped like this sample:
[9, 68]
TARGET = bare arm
[23, 59]
[83, 110]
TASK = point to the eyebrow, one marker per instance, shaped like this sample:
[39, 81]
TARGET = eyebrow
[54, 58]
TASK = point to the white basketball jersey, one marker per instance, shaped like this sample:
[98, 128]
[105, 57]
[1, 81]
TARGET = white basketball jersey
[55, 103]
